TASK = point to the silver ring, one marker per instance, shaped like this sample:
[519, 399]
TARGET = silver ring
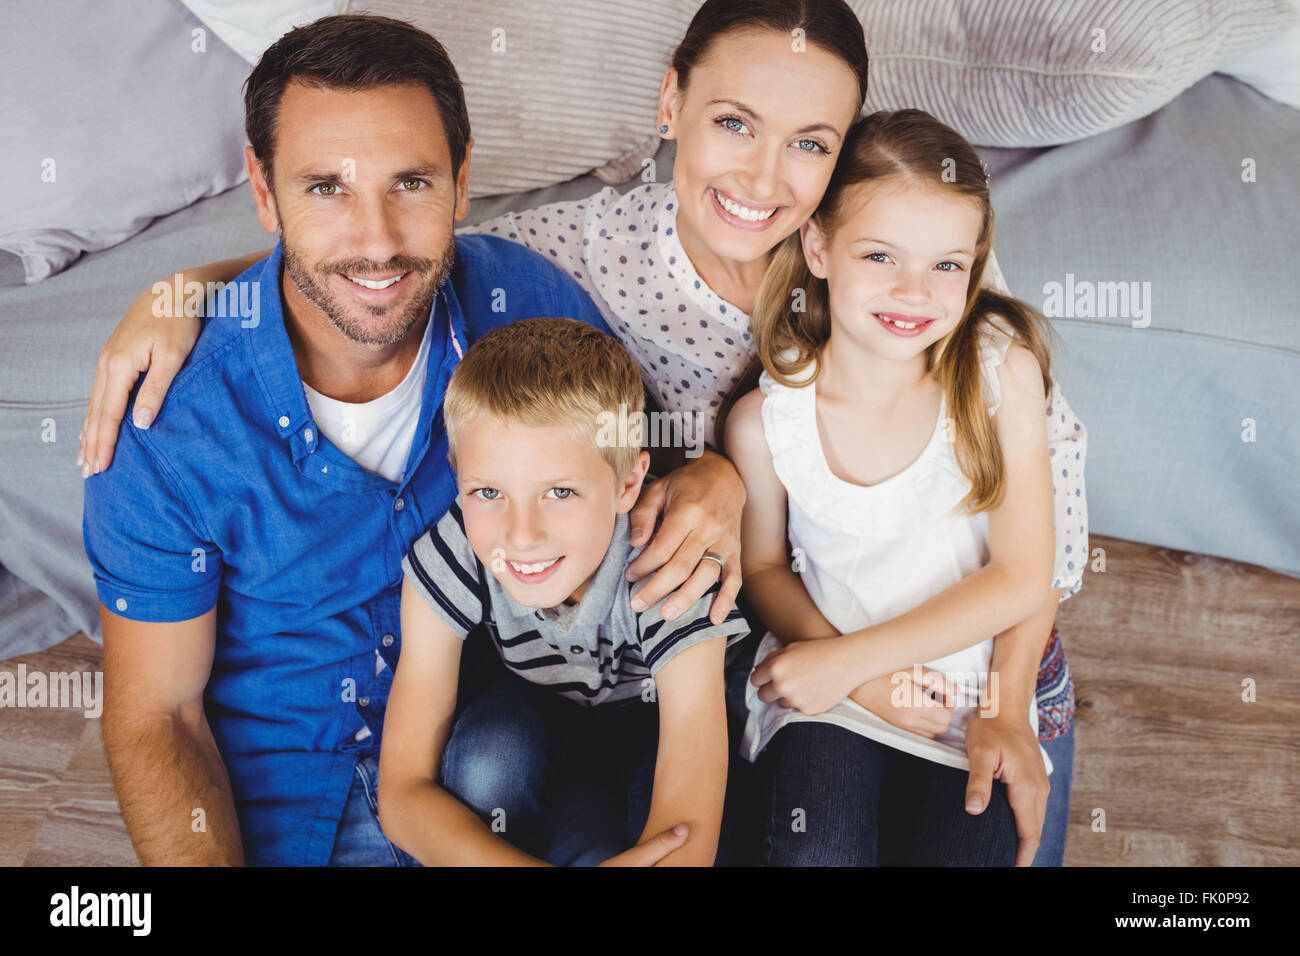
[711, 556]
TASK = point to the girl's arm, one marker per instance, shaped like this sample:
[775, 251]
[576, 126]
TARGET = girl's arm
[775, 590]
[144, 341]
[1017, 579]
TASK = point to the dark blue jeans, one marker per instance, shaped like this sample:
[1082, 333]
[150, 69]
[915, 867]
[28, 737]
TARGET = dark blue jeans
[745, 819]
[840, 799]
[568, 784]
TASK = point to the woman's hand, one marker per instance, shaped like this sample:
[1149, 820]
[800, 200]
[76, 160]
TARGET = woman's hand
[808, 676]
[924, 708]
[1005, 748]
[143, 341]
[701, 503]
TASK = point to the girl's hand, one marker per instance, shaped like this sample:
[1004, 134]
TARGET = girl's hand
[1006, 749]
[808, 676]
[923, 708]
[142, 342]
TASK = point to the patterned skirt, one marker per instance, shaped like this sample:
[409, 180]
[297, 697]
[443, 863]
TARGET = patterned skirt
[1055, 692]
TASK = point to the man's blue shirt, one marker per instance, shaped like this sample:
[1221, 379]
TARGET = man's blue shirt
[234, 500]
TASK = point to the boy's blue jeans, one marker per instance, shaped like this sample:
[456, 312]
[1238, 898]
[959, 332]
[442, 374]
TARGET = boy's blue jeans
[568, 784]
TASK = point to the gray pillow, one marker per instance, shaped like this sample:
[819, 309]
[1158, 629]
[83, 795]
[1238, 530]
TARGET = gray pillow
[554, 90]
[127, 113]
[1034, 73]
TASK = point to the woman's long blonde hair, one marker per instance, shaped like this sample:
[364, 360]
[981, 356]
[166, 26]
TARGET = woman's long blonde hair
[914, 146]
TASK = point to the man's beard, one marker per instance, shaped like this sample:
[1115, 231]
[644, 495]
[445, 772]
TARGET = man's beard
[394, 321]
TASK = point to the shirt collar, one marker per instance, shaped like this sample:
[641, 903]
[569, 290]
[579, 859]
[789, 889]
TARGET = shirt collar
[277, 367]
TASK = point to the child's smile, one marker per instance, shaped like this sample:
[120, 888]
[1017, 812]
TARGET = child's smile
[900, 256]
[539, 505]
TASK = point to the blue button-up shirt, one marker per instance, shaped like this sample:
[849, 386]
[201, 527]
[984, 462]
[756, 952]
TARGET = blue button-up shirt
[234, 499]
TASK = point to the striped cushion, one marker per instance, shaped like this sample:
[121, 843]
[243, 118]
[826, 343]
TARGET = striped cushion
[1029, 73]
[554, 90]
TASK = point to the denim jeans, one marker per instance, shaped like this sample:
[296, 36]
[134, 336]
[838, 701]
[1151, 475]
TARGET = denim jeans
[744, 823]
[568, 784]
[1056, 823]
[359, 840]
[840, 799]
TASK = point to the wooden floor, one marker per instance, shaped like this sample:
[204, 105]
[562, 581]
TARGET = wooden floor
[1172, 766]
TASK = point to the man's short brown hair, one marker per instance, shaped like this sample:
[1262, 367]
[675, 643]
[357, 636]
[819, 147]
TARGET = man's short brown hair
[353, 52]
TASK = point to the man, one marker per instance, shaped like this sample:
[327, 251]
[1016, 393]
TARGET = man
[247, 547]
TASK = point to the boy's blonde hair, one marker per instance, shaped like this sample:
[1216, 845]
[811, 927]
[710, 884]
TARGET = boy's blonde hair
[549, 371]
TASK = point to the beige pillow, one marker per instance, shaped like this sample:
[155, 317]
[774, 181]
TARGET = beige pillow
[1038, 73]
[554, 90]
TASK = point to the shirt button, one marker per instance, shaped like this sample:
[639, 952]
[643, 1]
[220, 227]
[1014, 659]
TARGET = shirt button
[387, 640]
[399, 504]
[576, 649]
[284, 421]
[364, 701]
[308, 435]
[121, 604]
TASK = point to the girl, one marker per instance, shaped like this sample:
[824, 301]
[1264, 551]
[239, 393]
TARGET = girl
[674, 267]
[897, 438]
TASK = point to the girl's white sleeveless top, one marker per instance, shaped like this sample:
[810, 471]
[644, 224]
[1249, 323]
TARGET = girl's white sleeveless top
[867, 554]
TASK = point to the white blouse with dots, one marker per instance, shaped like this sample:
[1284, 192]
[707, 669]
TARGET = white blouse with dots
[692, 346]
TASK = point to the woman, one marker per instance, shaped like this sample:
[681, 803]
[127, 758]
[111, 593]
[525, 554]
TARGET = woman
[759, 97]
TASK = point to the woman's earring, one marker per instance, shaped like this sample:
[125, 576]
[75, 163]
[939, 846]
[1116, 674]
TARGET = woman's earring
[663, 129]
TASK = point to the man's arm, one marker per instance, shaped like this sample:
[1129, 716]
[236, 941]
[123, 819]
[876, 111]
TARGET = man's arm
[161, 752]
[690, 779]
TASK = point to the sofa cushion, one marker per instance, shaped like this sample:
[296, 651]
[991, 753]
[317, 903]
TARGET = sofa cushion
[133, 111]
[1026, 73]
[1188, 391]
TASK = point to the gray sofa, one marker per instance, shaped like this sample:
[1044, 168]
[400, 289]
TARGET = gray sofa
[1193, 419]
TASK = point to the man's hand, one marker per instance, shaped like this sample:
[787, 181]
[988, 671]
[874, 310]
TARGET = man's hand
[701, 504]
[1005, 748]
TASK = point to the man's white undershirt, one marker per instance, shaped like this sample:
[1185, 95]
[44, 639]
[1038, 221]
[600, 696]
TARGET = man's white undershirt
[377, 435]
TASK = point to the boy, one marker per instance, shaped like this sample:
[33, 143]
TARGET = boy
[596, 700]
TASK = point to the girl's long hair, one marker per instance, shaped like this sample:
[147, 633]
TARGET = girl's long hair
[916, 147]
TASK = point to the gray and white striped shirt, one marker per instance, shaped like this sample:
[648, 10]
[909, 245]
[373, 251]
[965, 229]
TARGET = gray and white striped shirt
[595, 652]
